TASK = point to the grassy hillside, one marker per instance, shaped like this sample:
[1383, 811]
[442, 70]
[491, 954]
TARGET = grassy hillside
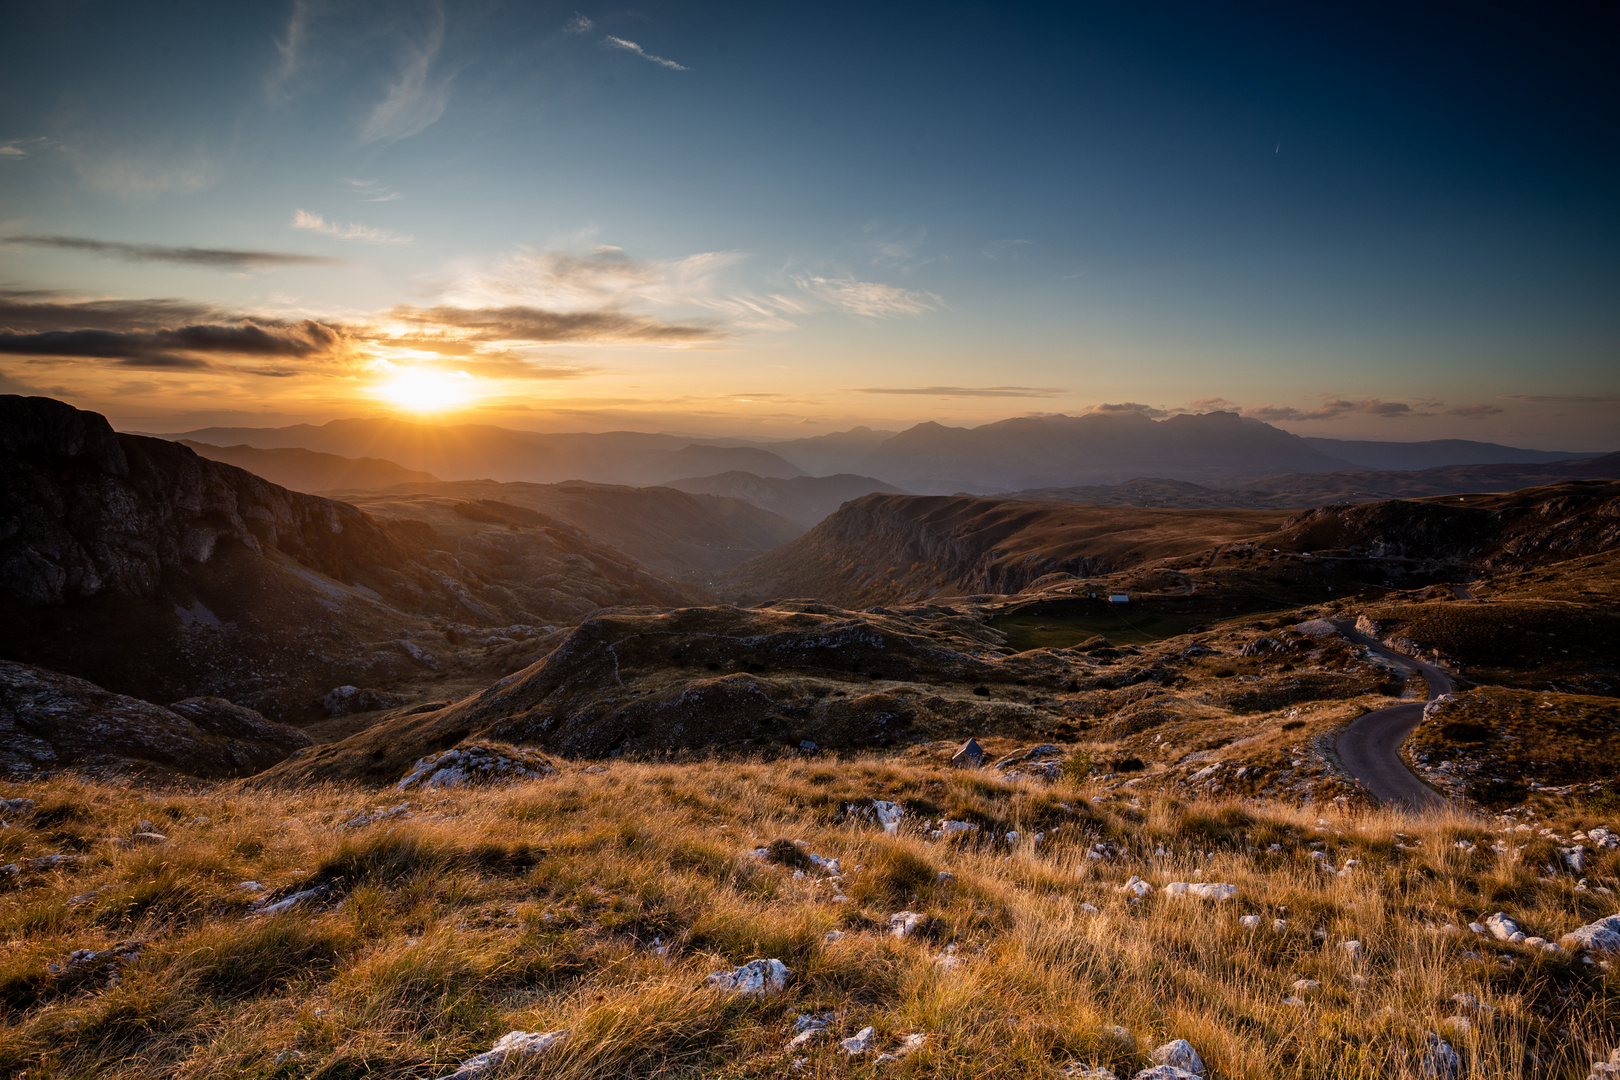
[599, 901]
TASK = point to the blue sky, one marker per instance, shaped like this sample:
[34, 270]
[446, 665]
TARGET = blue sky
[781, 220]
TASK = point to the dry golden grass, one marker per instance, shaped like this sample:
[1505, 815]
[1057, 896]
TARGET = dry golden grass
[536, 907]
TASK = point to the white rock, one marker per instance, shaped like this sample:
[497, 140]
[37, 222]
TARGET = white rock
[1602, 936]
[1351, 947]
[804, 1038]
[1179, 1054]
[1250, 922]
[512, 1046]
[834, 935]
[1458, 1026]
[859, 1044]
[755, 978]
[813, 1021]
[948, 962]
[1137, 887]
[1087, 909]
[888, 815]
[1501, 927]
[1279, 925]
[911, 1044]
[903, 923]
[1166, 1072]
[250, 886]
[1305, 986]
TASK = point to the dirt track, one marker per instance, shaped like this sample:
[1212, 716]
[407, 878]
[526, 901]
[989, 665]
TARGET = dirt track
[1370, 747]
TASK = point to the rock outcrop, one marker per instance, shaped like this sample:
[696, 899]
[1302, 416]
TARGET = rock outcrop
[50, 721]
[765, 680]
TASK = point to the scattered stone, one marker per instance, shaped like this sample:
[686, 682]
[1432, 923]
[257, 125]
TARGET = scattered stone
[1306, 986]
[1250, 922]
[17, 807]
[1179, 1054]
[859, 1044]
[1501, 927]
[888, 815]
[909, 1045]
[813, 1022]
[833, 935]
[970, 756]
[1351, 947]
[1602, 936]
[804, 1038]
[1202, 891]
[149, 838]
[1439, 1060]
[287, 903]
[511, 1047]
[755, 978]
[1137, 887]
[904, 923]
[50, 862]
[1458, 1027]
[1088, 909]
[477, 763]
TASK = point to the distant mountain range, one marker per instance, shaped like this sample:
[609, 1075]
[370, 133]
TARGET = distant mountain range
[307, 470]
[1298, 491]
[804, 499]
[1434, 453]
[1022, 453]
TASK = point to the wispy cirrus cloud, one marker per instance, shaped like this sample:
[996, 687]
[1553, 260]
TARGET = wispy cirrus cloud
[416, 98]
[868, 298]
[290, 49]
[612, 42]
[220, 258]
[966, 391]
[579, 24]
[604, 276]
[529, 325]
[371, 191]
[1476, 412]
[21, 148]
[303, 219]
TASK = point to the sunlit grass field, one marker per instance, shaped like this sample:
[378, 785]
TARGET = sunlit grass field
[599, 902]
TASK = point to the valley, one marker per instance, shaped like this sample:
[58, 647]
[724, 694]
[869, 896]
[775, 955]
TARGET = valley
[485, 710]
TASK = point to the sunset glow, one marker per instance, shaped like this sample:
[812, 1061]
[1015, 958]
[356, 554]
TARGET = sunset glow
[426, 390]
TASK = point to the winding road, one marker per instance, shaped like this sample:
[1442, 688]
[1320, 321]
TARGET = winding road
[1370, 748]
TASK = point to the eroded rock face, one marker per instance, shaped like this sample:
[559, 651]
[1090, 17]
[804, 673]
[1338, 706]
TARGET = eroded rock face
[137, 564]
[50, 721]
[94, 513]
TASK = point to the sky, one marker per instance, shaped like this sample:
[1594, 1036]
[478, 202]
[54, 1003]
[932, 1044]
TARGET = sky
[778, 220]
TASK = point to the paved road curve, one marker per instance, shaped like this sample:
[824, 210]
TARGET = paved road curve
[1370, 747]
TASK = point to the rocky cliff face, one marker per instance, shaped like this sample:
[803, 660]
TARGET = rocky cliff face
[891, 548]
[89, 513]
[137, 564]
[1476, 535]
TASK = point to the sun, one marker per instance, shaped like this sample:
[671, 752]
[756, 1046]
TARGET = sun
[427, 390]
